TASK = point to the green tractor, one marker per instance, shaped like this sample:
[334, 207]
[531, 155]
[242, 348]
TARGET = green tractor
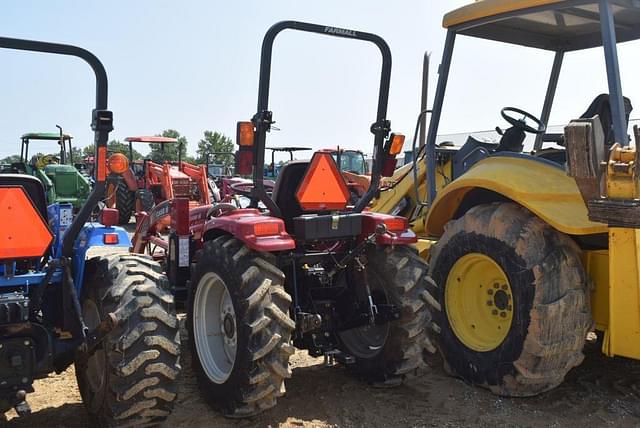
[63, 183]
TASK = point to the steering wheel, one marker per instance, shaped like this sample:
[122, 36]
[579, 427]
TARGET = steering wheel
[521, 123]
[242, 189]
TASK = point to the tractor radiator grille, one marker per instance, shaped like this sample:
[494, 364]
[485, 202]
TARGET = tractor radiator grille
[181, 187]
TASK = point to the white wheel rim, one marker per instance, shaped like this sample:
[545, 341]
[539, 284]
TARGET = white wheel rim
[215, 328]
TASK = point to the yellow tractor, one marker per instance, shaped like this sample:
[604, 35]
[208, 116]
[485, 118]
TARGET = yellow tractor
[532, 250]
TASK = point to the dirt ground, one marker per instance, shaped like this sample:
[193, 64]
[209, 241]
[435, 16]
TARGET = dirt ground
[601, 392]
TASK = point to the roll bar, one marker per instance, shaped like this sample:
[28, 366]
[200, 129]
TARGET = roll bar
[263, 119]
[101, 124]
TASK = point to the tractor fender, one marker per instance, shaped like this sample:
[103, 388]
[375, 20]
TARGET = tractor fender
[91, 236]
[257, 231]
[541, 187]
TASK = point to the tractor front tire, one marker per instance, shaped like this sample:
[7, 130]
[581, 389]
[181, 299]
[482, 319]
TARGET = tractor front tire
[239, 327]
[510, 311]
[385, 354]
[131, 379]
[145, 201]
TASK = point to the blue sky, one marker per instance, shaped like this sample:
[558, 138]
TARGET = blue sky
[193, 65]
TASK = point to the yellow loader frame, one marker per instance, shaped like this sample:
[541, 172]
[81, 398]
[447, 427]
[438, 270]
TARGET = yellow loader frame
[546, 191]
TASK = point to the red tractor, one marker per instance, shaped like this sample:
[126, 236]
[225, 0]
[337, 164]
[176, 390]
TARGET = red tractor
[148, 183]
[297, 268]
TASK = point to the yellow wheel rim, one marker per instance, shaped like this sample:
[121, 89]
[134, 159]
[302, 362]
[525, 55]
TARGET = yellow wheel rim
[479, 302]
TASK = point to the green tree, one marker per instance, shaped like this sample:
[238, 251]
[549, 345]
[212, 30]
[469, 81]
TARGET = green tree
[88, 150]
[170, 150]
[76, 154]
[215, 142]
[113, 146]
[10, 159]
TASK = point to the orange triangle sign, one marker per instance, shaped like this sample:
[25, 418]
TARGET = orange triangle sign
[24, 233]
[323, 187]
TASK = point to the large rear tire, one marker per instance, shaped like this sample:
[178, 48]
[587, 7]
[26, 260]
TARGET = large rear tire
[239, 328]
[119, 196]
[385, 354]
[510, 311]
[131, 379]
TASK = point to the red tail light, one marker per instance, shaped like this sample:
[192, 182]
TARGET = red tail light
[388, 167]
[110, 238]
[244, 161]
[396, 224]
[265, 229]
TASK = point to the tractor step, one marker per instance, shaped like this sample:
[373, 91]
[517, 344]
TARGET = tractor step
[331, 358]
[23, 408]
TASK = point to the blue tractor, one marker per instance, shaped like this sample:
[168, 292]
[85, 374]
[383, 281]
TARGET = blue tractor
[71, 293]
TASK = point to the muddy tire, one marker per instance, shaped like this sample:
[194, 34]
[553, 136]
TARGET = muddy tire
[239, 328]
[543, 315]
[385, 354]
[131, 379]
[119, 196]
[145, 201]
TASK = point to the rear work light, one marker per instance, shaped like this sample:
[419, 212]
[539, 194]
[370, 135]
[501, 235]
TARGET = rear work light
[110, 238]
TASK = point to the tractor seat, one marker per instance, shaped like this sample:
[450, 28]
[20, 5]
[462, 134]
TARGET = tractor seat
[284, 191]
[19, 167]
[33, 188]
[601, 106]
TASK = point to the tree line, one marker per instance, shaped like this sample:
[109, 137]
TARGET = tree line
[212, 141]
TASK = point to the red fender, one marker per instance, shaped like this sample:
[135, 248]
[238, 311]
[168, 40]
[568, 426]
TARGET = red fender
[258, 232]
[398, 232]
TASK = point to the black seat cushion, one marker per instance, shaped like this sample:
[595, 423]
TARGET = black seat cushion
[19, 167]
[284, 191]
[601, 106]
[32, 186]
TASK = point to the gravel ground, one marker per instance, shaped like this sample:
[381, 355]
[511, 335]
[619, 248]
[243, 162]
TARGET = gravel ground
[601, 392]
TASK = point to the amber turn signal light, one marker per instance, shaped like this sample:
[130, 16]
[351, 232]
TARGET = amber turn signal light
[244, 134]
[118, 163]
[397, 142]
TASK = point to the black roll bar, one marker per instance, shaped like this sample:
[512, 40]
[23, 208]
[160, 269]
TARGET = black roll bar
[262, 120]
[101, 124]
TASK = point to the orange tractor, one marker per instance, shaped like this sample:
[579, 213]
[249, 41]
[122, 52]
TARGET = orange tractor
[148, 183]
